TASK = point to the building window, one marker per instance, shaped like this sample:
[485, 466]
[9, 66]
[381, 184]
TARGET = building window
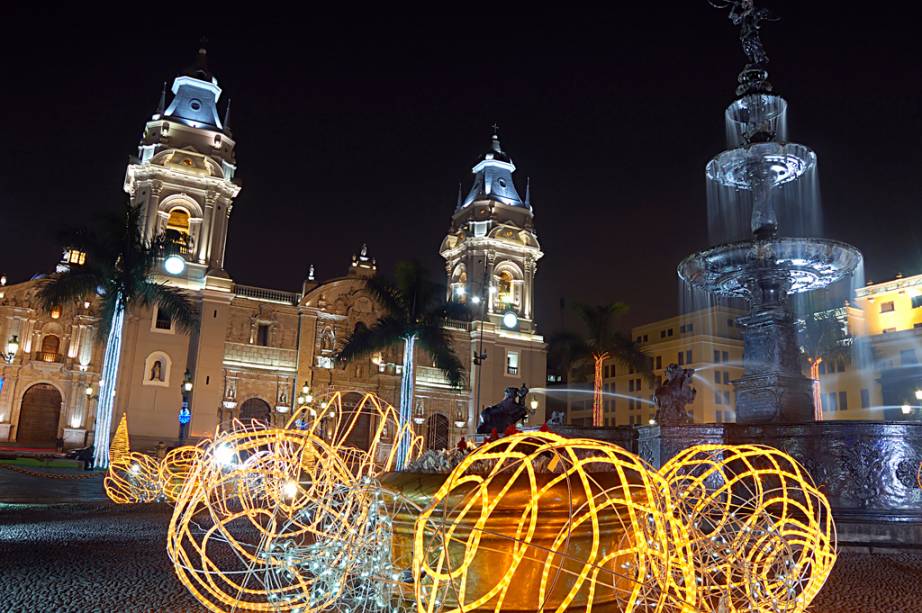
[50, 347]
[262, 335]
[162, 321]
[865, 399]
[843, 401]
[682, 329]
[688, 356]
[659, 362]
[681, 358]
[726, 377]
[886, 307]
[645, 338]
[916, 302]
[822, 368]
[718, 398]
[730, 322]
[724, 356]
[716, 357]
[908, 357]
[669, 332]
[719, 416]
[717, 376]
[727, 397]
[512, 363]
[630, 385]
[662, 334]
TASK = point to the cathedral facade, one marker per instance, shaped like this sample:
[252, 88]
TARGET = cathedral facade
[258, 352]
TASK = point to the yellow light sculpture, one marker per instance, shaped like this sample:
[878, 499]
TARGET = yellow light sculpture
[176, 467]
[120, 445]
[762, 534]
[368, 432]
[275, 520]
[537, 522]
[132, 478]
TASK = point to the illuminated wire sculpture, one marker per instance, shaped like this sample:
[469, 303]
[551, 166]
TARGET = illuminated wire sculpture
[176, 467]
[120, 445]
[367, 432]
[132, 478]
[537, 522]
[762, 534]
[276, 520]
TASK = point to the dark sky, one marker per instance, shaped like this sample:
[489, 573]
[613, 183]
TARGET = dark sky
[357, 128]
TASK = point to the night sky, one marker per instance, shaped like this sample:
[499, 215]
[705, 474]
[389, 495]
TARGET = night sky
[357, 128]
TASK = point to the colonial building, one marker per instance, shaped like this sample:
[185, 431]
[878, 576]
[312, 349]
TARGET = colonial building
[707, 340]
[256, 348]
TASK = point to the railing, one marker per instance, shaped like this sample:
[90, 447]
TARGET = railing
[48, 356]
[269, 295]
[257, 356]
[455, 324]
[512, 370]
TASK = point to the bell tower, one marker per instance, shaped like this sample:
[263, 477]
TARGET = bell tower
[491, 251]
[183, 177]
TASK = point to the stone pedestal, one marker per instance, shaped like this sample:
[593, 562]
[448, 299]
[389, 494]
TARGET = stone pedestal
[773, 388]
[5, 431]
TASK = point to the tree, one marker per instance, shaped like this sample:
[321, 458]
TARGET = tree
[117, 269]
[823, 338]
[603, 342]
[414, 311]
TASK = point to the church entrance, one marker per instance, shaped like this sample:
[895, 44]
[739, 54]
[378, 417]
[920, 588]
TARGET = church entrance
[39, 415]
[437, 432]
[360, 420]
[255, 409]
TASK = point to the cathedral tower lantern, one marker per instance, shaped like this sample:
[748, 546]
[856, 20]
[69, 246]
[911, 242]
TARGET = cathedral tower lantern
[183, 176]
[491, 251]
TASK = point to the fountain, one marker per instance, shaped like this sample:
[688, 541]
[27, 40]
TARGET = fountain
[758, 173]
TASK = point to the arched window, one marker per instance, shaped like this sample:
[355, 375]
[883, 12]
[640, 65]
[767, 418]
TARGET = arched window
[51, 344]
[178, 221]
[504, 291]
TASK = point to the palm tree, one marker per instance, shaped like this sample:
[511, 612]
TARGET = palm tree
[604, 342]
[823, 338]
[117, 269]
[414, 311]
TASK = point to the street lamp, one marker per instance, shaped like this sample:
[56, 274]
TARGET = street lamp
[12, 348]
[918, 394]
[185, 412]
[906, 409]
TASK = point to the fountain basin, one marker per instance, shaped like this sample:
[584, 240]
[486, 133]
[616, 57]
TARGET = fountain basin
[802, 264]
[496, 548]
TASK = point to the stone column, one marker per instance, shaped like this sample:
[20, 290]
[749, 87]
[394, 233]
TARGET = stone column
[773, 388]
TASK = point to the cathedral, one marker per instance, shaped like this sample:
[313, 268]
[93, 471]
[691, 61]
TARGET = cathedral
[258, 352]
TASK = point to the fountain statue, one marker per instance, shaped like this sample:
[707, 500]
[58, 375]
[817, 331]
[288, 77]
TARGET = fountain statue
[507, 412]
[673, 395]
[764, 173]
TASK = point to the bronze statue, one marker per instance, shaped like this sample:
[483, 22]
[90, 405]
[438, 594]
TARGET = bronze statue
[673, 394]
[744, 14]
[500, 416]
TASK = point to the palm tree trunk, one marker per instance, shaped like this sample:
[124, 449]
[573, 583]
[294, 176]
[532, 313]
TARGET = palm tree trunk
[407, 382]
[817, 389]
[598, 419]
[103, 425]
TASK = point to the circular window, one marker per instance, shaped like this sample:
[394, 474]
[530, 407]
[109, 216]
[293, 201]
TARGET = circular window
[502, 183]
[195, 104]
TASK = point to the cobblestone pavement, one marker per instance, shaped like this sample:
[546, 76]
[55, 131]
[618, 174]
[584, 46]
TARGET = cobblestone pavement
[16, 487]
[101, 557]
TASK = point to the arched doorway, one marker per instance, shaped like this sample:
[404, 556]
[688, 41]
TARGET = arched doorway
[39, 415]
[437, 432]
[255, 409]
[360, 433]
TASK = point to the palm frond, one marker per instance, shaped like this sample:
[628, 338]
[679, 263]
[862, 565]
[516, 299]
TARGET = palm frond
[436, 341]
[569, 353]
[386, 293]
[364, 341]
[173, 302]
[626, 351]
[74, 285]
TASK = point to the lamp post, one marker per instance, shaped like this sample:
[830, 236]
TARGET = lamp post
[12, 348]
[534, 407]
[185, 412]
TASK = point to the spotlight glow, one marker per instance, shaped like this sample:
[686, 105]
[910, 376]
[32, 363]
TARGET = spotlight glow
[174, 265]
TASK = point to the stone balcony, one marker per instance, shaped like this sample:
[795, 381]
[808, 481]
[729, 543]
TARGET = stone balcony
[244, 355]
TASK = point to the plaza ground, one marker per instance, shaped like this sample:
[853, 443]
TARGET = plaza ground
[91, 555]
